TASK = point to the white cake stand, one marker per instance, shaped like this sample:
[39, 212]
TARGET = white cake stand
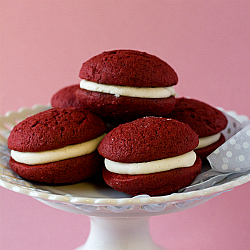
[118, 221]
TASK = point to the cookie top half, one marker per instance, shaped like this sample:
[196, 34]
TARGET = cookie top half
[204, 119]
[66, 97]
[55, 128]
[128, 68]
[148, 139]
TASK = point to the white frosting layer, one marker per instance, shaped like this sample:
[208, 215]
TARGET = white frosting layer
[206, 141]
[141, 92]
[71, 151]
[180, 161]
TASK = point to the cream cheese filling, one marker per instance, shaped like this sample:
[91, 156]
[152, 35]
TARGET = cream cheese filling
[209, 140]
[141, 92]
[71, 151]
[180, 161]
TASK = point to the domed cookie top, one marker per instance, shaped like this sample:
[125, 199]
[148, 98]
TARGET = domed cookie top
[128, 68]
[204, 119]
[66, 97]
[148, 139]
[55, 128]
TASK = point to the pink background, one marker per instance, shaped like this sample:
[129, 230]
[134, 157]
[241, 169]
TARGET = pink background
[43, 44]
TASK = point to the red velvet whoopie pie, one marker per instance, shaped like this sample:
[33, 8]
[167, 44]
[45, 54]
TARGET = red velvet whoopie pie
[66, 97]
[150, 155]
[207, 121]
[57, 146]
[125, 85]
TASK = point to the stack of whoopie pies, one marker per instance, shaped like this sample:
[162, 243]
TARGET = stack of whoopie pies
[155, 142]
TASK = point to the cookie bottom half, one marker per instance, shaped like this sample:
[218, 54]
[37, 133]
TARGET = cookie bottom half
[204, 152]
[161, 183]
[124, 108]
[61, 172]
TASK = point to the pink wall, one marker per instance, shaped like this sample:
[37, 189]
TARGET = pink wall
[43, 44]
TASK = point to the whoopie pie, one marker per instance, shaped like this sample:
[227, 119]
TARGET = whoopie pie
[125, 85]
[207, 121]
[57, 146]
[150, 155]
[66, 97]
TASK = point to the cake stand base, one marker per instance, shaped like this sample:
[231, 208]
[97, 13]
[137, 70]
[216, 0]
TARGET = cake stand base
[119, 234]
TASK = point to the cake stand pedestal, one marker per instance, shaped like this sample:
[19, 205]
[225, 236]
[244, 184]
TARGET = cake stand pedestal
[119, 233]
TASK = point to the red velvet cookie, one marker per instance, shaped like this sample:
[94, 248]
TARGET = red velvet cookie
[149, 140]
[56, 129]
[204, 119]
[126, 68]
[66, 97]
